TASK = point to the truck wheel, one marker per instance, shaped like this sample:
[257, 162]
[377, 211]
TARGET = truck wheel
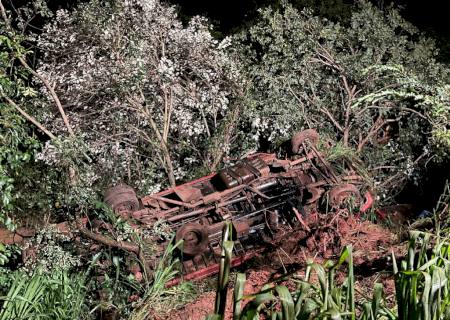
[339, 194]
[301, 137]
[121, 198]
[195, 238]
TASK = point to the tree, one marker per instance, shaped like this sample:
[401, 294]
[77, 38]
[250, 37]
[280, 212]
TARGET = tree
[370, 86]
[141, 91]
[18, 142]
[23, 185]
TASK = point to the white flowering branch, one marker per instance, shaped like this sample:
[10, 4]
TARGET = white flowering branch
[162, 138]
[52, 93]
[165, 89]
[40, 77]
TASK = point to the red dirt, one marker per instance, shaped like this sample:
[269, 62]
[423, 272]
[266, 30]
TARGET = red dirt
[327, 237]
[330, 235]
[204, 305]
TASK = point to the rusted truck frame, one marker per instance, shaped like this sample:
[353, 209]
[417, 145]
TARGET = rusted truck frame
[264, 197]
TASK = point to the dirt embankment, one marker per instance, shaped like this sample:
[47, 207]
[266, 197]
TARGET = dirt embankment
[324, 238]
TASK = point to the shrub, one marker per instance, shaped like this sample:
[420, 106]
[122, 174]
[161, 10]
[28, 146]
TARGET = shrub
[150, 100]
[372, 85]
[18, 141]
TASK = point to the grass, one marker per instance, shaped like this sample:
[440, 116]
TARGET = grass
[157, 297]
[60, 295]
[421, 280]
[57, 296]
[421, 284]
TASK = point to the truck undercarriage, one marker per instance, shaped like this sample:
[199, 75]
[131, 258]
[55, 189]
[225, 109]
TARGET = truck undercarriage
[264, 197]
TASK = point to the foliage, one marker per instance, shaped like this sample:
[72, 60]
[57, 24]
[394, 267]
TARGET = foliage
[58, 295]
[160, 103]
[143, 99]
[50, 251]
[224, 272]
[442, 212]
[421, 282]
[61, 292]
[316, 297]
[18, 143]
[325, 299]
[422, 287]
[157, 297]
[7, 253]
[371, 85]
[149, 99]
[23, 186]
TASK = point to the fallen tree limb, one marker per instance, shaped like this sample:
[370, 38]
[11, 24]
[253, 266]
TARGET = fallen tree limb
[125, 245]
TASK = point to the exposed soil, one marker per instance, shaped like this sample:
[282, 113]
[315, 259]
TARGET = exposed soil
[204, 305]
[327, 236]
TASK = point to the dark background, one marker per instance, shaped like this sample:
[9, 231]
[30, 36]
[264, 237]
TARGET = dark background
[230, 16]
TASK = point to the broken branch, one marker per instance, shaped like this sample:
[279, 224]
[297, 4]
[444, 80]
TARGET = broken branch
[125, 245]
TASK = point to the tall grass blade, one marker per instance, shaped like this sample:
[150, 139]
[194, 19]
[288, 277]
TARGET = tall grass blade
[301, 300]
[376, 300]
[425, 300]
[287, 304]
[238, 294]
[224, 270]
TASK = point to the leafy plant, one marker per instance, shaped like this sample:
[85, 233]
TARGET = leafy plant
[157, 296]
[151, 104]
[313, 299]
[421, 281]
[18, 142]
[7, 252]
[224, 273]
[58, 295]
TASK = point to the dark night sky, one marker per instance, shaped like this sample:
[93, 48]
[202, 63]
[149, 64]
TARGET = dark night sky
[227, 16]
[430, 16]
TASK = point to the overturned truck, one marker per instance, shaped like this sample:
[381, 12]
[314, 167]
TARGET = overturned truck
[264, 197]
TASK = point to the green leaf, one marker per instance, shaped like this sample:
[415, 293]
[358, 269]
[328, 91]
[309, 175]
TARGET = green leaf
[238, 295]
[287, 304]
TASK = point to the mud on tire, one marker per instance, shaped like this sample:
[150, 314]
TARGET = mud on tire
[121, 198]
[339, 194]
[301, 137]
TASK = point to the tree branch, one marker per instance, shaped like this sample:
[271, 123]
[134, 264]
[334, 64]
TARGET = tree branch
[164, 148]
[376, 126]
[4, 16]
[301, 104]
[125, 245]
[330, 116]
[30, 118]
[52, 93]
